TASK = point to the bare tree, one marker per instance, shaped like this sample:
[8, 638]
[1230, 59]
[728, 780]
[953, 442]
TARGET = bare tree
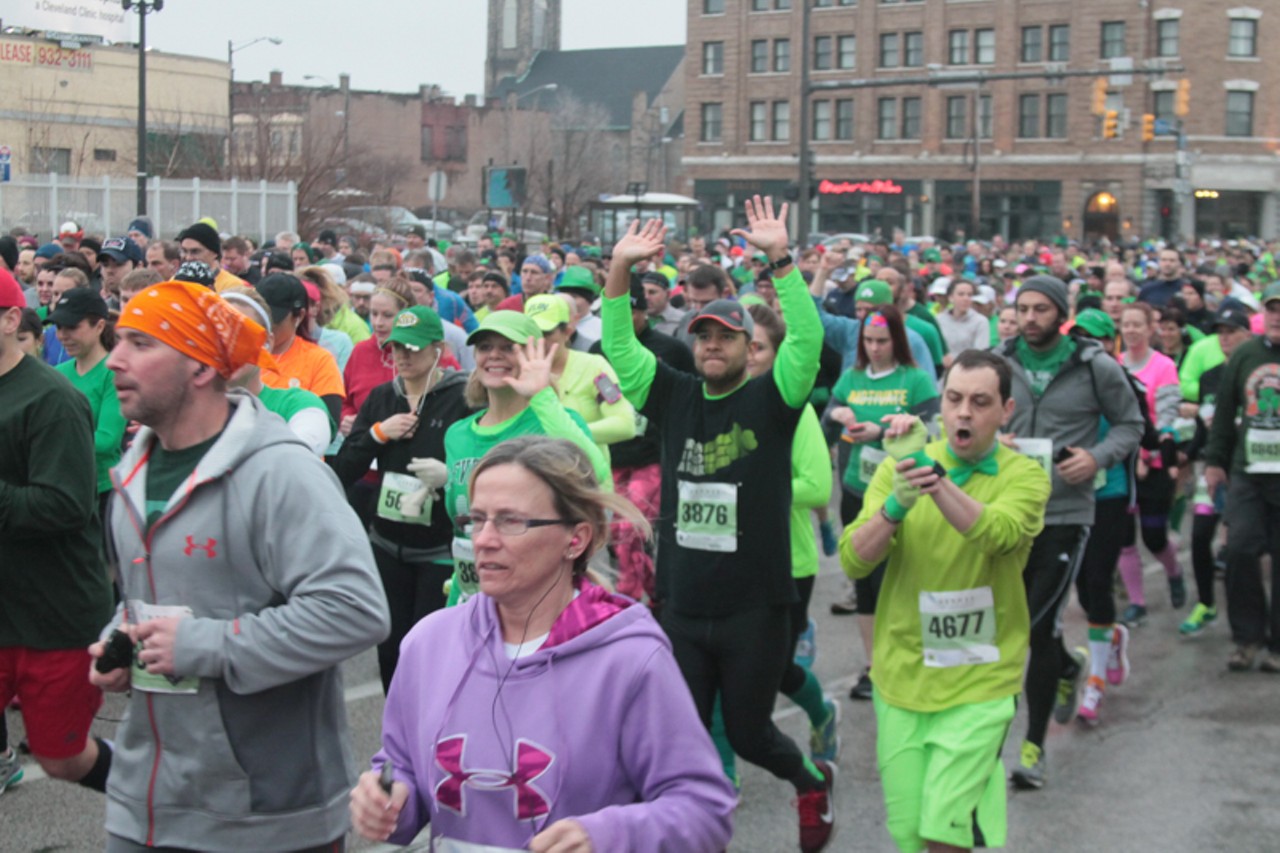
[571, 163]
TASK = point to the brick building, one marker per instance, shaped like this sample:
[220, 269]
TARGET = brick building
[900, 156]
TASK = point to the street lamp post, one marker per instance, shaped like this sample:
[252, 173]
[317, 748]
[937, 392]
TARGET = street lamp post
[232, 50]
[144, 7]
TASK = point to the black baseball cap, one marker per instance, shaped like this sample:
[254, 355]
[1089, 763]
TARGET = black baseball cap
[77, 304]
[728, 313]
[121, 249]
[284, 293]
[638, 300]
[1230, 315]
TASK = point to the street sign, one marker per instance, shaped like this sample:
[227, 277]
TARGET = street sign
[437, 185]
[1163, 127]
[4, 172]
[6, 153]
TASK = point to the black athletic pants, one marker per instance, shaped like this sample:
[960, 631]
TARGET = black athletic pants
[866, 588]
[1051, 568]
[1253, 527]
[413, 590]
[793, 678]
[1095, 586]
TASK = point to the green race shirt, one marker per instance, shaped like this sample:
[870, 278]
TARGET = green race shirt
[900, 392]
[98, 384]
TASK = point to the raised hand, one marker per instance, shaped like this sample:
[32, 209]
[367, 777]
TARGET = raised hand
[640, 242]
[765, 231]
[535, 359]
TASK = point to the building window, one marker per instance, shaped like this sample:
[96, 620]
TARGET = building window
[910, 118]
[984, 47]
[426, 144]
[1167, 37]
[1162, 105]
[782, 4]
[846, 52]
[957, 117]
[781, 121]
[455, 143]
[1239, 113]
[829, 4]
[104, 155]
[1055, 116]
[759, 130]
[510, 24]
[782, 54]
[713, 7]
[1028, 116]
[1059, 43]
[759, 56]
[1032, 44]
[958, 47]
[844, 119]
[1242, 39]
[822, 46]
[1112, 40]
[889, 50]
[913, 52]
[887, 118]
[713, 57]
[821, 121]
[45, 160]
[985, 114]
[712, 122]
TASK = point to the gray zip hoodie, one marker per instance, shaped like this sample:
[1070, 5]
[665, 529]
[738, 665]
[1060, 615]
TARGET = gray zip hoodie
[261, 545]
[1089, 386]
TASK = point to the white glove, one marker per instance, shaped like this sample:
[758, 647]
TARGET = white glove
[434, 474]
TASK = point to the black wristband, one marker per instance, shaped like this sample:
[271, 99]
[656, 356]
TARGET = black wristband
[784, 261]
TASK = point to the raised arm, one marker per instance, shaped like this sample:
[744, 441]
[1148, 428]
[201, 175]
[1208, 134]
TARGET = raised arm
[635, 364]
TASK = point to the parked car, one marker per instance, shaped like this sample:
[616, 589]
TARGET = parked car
[366, 233]
[398, 220]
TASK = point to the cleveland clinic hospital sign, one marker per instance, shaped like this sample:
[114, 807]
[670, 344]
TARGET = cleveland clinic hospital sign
[104, 18]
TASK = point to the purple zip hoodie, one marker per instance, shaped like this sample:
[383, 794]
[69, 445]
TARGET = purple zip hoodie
[597, 725]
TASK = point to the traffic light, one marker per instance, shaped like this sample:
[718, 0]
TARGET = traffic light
[1110, 124]
[1148, 127]
[1099, 95]
[1182, 99]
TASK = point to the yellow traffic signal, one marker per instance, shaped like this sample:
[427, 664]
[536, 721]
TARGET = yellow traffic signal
[1099, 95]
[1182, 99]
[1148, 127]
[1110, 124]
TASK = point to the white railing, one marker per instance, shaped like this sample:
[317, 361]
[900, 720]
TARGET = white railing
[41, 203]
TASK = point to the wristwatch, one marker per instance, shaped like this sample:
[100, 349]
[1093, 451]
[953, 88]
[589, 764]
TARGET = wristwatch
[780, 263]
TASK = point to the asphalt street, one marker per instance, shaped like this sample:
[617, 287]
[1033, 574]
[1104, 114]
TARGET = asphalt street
[1185, 758]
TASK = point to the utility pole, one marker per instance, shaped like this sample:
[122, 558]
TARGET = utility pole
[804, 199]
[144, 7]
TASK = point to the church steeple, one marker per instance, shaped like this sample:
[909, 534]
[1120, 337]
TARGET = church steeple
[518, 29]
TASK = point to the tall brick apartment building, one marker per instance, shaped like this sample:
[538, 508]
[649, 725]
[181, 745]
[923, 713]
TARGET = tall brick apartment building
[900, 156]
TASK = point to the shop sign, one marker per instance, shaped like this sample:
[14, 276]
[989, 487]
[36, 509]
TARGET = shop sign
[876, 187]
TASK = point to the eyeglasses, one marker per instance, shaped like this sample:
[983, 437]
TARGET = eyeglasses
[506, 524]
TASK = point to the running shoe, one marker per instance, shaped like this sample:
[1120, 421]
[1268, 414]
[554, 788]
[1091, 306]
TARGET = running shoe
[1242, 658]
[1134, 615]
[1092, 700]
[863, 689]
[1270, 662]
[1177, 591]
[817, 812]
[807, 646]
[1029, 775]
[847, 605]
[1068, 699]
[10, 769]
[824, 741]
[1118, 657]
[829, 542]
[1201, 617]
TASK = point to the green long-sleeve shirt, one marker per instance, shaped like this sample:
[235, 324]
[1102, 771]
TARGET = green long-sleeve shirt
[99, 387]
[1250, 392]
[810, 489]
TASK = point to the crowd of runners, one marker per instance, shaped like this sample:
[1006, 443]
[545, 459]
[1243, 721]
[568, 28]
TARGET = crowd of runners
[576, 496]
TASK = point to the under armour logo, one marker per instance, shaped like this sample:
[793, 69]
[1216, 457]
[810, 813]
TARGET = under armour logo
[208, 547]
[531, 762]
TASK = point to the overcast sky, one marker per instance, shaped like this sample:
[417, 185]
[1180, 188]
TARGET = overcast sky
[392, 45]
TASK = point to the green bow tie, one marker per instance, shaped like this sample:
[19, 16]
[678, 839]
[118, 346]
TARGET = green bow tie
[962, 470]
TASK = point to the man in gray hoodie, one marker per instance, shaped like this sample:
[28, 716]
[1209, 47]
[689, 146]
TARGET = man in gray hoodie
[1063, 387]
[246, 580]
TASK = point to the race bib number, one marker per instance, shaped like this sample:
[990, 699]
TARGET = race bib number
[464, 562]
[396, 488]
[959, 628]
[452, 845]
[1038, 449]
[707, 516]
[868, 461]
[1262, 451]
[150, 682]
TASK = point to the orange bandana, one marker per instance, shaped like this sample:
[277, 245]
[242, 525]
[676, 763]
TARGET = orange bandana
[197, 323]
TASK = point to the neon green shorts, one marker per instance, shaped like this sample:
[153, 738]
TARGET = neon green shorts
[942, 775]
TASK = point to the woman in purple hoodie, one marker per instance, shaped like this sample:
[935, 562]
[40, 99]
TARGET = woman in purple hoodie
[546, 713]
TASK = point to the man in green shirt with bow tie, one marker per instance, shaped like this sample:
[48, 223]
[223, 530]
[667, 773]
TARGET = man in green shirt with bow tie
[956, 519]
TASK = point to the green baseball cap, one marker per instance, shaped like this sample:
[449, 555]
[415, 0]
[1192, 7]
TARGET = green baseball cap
[1096, 323]
[875, 291]
[580, 279]
[416, 327]
[1272, 293]
[512, 325]
[547, 310]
